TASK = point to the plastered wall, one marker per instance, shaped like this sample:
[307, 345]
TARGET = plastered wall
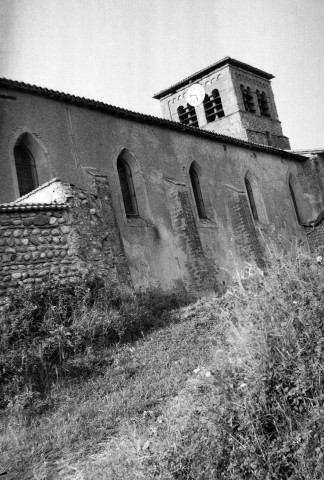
[159, 250]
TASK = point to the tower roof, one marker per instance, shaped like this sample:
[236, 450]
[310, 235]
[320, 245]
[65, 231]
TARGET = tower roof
[214, 66]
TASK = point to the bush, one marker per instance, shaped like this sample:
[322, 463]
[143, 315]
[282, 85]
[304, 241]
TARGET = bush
[53, 333]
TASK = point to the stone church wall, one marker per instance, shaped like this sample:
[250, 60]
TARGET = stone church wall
[151, 249]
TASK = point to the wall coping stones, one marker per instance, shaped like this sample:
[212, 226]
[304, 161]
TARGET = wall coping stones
[12, 207]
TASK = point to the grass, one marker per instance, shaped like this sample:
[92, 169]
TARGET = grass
[222, 388]
[133, 379]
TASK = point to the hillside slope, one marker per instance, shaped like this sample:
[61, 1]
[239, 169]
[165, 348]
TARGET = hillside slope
[223, 388]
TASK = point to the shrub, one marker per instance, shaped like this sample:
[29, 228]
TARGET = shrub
[53, 333]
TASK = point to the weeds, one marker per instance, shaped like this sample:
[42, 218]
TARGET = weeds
[234, 391]
[54, 333]
[268, 387]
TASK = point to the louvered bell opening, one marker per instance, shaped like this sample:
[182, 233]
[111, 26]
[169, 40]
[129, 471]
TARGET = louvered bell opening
[218, 104]
[250, 107]
[183, 116]
[243, 90]
[187, 116]
[213, 107]
[264, 106]
[192, 116]
[210, 110]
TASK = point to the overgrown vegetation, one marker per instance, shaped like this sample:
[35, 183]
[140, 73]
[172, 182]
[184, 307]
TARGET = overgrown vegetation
[230, 388]
[55, 333]
[261, 415]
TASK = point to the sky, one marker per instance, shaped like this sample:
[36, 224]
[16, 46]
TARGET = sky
[121, 52]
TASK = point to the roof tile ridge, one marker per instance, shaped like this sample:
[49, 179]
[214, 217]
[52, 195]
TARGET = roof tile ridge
[162, 121]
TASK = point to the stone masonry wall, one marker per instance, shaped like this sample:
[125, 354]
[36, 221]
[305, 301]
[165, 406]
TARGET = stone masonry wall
[316, 239]
[34, 246]
[61, 241]
[97, 238]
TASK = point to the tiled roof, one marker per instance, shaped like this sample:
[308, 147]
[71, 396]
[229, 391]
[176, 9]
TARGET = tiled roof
[23, 197]
[103, 107]
[209, 69]
[308, 151]
[21, 207]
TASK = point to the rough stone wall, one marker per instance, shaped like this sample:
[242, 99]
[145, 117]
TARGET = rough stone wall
[315, 239]
[34, 246]
[61, 242]
[97, 238]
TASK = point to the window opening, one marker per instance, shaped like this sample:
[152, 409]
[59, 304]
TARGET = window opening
[248, 99]
[197, 193]
[294, 202]
[127, 188]
[188, 115]
[263, 104]
[26, 170]
[251, 199]
[213, 106]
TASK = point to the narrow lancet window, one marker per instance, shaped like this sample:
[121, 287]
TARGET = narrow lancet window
[26, 169]
[127, 188]
[292, 193]
[251, 199]
[197, 192]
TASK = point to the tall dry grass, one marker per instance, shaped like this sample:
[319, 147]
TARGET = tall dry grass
[253, 408]
[262, 411]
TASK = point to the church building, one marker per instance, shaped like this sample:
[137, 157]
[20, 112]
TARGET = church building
[183, 202]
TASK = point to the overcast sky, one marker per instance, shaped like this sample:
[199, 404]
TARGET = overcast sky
[123, 51]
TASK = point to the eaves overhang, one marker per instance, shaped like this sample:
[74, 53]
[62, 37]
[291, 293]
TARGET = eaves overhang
[311, 151]
[14, 85]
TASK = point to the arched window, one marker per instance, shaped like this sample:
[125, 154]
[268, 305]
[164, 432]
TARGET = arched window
[188, 116]
[251, 199]
[248, 99]
[194, 178]
[263, 104]
[293, 197]
[127, 187]
[213, 106]
[26, 169]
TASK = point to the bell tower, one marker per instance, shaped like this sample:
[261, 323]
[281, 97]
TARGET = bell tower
[230, 98]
